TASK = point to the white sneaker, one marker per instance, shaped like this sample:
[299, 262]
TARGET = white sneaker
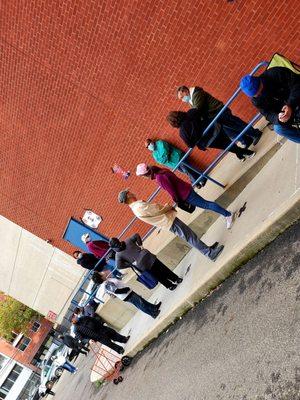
[229, 221]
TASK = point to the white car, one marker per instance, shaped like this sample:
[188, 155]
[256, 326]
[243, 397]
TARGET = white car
[50, 371]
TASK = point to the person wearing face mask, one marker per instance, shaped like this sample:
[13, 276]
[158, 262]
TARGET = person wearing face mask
[209, 107]
[88, 261]
[130, 253]
[181, 191]
[168, 155]
[164, 217]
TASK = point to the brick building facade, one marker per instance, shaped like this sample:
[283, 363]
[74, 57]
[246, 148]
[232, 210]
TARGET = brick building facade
[83, 83]
[28, 348]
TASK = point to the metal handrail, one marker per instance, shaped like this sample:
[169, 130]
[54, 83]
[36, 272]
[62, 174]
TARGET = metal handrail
[186, 155]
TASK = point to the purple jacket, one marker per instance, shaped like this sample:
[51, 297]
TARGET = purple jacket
[176, 187]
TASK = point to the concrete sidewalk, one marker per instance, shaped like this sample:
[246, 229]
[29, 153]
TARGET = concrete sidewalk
[273, 203]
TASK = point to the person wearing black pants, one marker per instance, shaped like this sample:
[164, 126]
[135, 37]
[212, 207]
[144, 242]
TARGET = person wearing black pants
[163, 274]
[90, 328]
[116, 288]
[131, 254]
[191, 126]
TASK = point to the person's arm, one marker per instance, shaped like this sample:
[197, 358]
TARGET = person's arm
[163, 150]
[198, 98]
[122, 263]
[166, 183]
[137, 239]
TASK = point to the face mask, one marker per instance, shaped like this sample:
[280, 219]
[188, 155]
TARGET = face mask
[151, 146]
[186, 98]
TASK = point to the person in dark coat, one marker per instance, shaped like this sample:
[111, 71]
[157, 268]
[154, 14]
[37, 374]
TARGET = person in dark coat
[276, 94]
[209, 106]
[88, 261]
[191, 126]
[73, 344]
[130, 253]
[90, 328]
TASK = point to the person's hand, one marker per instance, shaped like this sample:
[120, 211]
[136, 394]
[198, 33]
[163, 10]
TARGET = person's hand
[285, 114]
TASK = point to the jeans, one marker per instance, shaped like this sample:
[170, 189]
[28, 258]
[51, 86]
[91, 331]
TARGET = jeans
[289, 132]
[233, 126]
[198, 201]
[69, 367]
[141, 304]
[181, 230]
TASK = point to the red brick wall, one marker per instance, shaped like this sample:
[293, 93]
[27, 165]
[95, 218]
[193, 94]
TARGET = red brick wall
[37, 338]
[83, 83]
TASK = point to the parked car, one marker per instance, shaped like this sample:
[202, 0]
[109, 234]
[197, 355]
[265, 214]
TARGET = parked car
[50, 371]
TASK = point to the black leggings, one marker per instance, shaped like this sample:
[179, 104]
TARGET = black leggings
[163, 274]
[222, 141]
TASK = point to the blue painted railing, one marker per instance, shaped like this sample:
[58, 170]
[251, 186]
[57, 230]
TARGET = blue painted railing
[203, 174]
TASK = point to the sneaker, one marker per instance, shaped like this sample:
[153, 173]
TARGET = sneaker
[248, 156]
[229, 221]
[213, 246]
[214, 253]
[172, 287]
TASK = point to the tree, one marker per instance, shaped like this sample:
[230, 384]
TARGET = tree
[14, 317]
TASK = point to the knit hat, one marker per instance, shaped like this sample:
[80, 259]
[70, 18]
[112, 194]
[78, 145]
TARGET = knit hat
[250, 85]
[85, 238]
[122, 196]
[142, 169]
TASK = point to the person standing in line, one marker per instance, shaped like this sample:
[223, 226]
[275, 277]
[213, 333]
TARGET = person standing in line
[276, 94]
[130, 253]
[181, 191]
[168, 155]
[89, 328]
[98, 248]
[73, 344]
[116, 288]
[164, 217]
[209, 107]
[191, 126]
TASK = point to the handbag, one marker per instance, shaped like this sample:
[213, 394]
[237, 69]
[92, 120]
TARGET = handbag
[183, 205]
[147, 279]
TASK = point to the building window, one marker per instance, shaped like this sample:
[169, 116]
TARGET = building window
[3, 361]
[36, 326]
[10, 380]
[14, 336]
[24, 343]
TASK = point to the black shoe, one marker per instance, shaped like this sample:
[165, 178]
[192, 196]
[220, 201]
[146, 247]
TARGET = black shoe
[201, 183]
[248, 156]
[213, 246]
[179, 280]
[172, 287]
[158, 305]
[127, 338]
[258, 137]
[121, 351]
[214, 253]
[156, 314]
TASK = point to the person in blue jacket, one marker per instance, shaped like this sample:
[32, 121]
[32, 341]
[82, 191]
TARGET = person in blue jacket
[168, 155]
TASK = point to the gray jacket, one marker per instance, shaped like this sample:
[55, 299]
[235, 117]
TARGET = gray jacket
[134, 255]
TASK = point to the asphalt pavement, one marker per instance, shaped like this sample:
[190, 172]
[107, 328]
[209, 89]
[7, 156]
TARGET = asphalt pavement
[240, 343]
